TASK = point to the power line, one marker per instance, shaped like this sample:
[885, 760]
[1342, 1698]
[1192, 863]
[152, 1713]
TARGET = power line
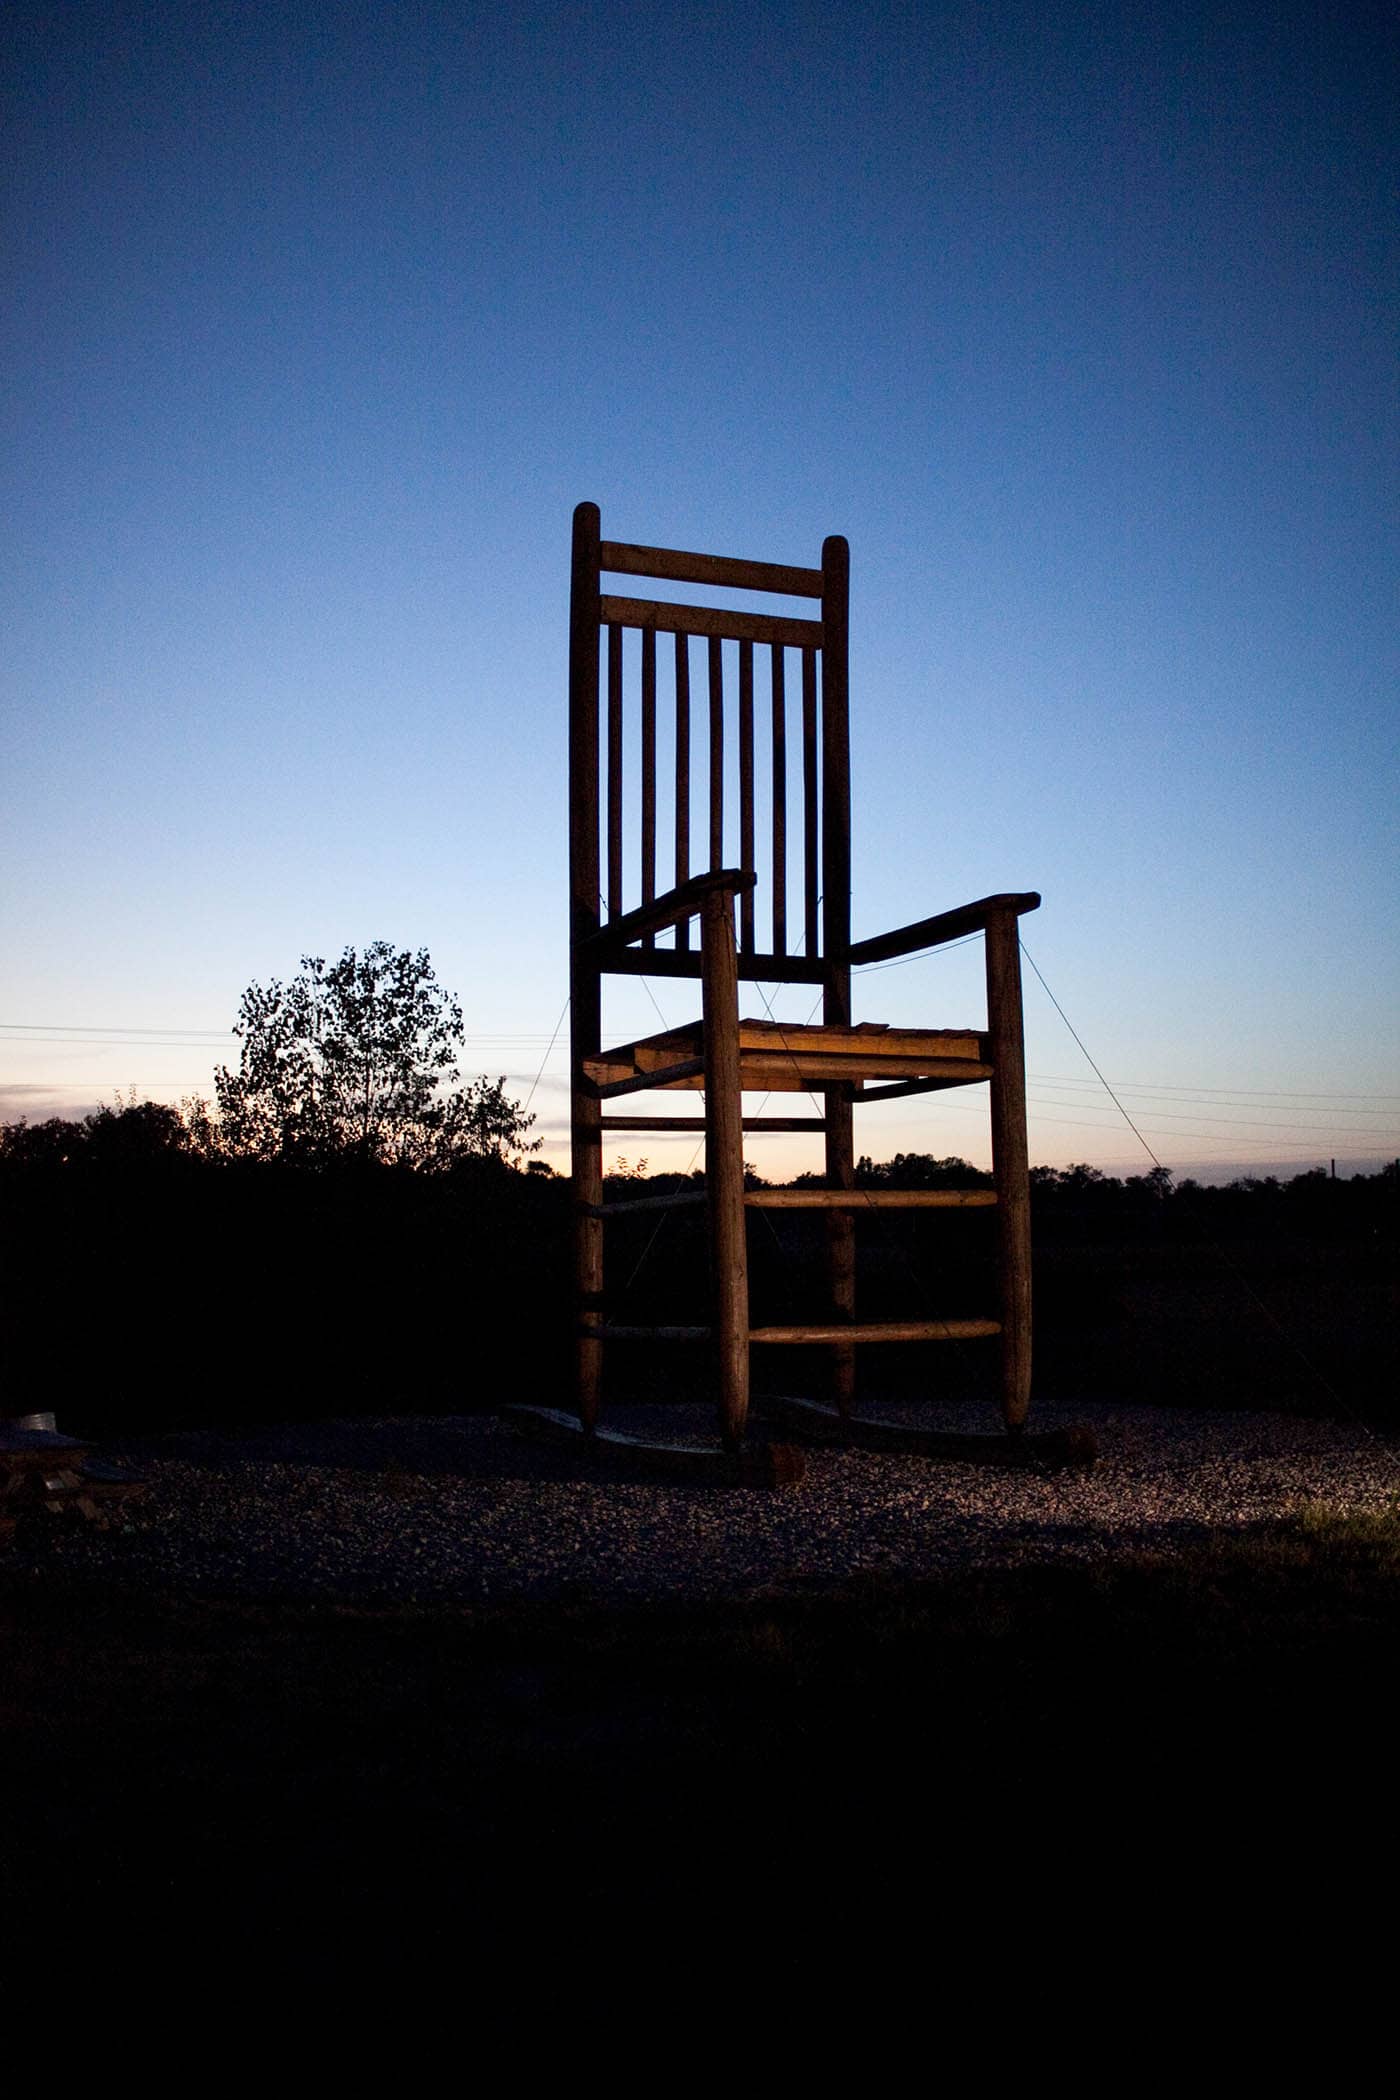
[1268, 1145]
[1167, 1115]
[196, 1037]
[117, 1028]
[1243, 1093]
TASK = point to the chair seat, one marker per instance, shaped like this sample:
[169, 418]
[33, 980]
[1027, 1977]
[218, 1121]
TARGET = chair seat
[792, 1058]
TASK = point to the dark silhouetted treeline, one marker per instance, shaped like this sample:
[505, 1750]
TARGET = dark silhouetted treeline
[150, 1279]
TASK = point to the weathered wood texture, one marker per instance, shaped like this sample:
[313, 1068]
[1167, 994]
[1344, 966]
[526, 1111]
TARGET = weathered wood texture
[746, 789]
[778, 864]
[765, 1072]
[870, 1199]
[843, 1334]
[621, 921]
[714, 621]
[685, 902]
[755, 1124]
[963, 1075]
[716, 665]
[944, 926]
[628, 1331]
[811, 841]
[648, 775]
[724, 1166]
[682, 811]
[585, 983]
[1010, 1163]
[757, 967]
[689, 1072]
[673, 565]
[836, 948]
[815, 1332]
[796, 1059]
[615, 900]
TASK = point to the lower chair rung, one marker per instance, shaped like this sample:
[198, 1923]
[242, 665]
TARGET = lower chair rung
[882, 1331]
[872, 1331]
[809, 1199]
[869, 1199]
[609, 1333]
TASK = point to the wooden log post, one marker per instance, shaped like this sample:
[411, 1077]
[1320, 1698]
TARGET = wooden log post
[588, 1198]
[836, 944]
[724, 1164]
[585, 984]
[841, 1242]
[1010, 1164]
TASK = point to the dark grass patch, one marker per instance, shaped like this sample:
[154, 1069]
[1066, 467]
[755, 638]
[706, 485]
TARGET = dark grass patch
[312, 1766]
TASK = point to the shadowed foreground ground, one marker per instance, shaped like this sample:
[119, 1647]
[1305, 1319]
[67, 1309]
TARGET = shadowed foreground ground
[1136, 1727]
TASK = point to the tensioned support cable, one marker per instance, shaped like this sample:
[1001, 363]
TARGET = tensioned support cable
[1267, 1310]
[547, 1055]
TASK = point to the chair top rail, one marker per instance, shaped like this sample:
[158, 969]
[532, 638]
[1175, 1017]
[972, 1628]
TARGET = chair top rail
[677, 566]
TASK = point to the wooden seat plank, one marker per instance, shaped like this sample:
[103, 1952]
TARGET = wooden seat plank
[778, 1059]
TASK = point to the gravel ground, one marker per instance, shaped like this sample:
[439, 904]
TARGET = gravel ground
[462, 1509]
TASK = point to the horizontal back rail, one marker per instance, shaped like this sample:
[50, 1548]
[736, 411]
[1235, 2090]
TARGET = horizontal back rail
[674, 565]
[693, 1123]
[716, 620]
[756, 965]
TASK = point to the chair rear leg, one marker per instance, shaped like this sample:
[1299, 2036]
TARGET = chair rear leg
[588, 1275]
[587, 1174]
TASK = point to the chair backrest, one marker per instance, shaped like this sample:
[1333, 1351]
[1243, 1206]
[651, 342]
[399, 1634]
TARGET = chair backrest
[703, 737]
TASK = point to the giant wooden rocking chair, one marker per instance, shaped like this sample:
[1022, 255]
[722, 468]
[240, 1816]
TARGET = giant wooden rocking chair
[616, 918]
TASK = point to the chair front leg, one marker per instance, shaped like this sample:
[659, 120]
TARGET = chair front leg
[724, 1165]
[1010, 1164]
[841, 1241]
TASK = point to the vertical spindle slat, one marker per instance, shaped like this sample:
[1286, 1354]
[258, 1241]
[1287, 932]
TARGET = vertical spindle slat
[649, 772]
[615, 904]
[746, 925]
[716, 752]
[809, 800]
[682, 774]
[779, 803]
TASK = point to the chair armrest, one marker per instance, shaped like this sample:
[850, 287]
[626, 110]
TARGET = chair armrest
[945, 926]
[683, 902]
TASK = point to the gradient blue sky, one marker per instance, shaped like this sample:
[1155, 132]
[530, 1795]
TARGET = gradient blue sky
[1079, 321]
